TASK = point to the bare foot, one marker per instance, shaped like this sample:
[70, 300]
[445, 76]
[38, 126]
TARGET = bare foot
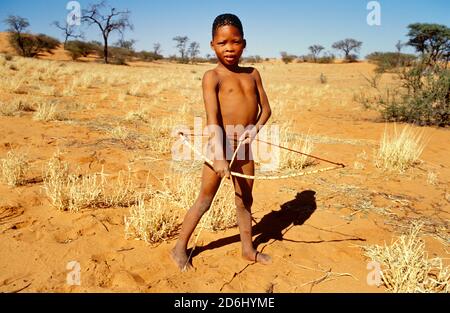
[181, 260]
[258, 257]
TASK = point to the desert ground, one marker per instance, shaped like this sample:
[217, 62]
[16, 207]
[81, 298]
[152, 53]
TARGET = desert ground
[117, 121]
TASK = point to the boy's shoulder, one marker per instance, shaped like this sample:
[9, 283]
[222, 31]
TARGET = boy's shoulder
[215, 74]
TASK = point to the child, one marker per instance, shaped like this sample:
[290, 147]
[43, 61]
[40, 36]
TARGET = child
[234, 99]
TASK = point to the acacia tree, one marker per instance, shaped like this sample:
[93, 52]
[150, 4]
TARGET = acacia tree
[194, 50]
[315, 51]
[347, 46]
[17, 26]
[430, 39]
[125, 44]
[157, 48]
[112, 21]
[69, 31]
[181, 46]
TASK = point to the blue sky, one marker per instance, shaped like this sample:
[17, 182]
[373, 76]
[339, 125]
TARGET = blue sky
[270, 26]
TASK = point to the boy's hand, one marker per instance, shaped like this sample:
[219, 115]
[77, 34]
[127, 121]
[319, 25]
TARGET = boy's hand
[248, 136]
[222, 168]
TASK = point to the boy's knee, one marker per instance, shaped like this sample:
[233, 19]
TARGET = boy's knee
[243, 203]
[204, 203]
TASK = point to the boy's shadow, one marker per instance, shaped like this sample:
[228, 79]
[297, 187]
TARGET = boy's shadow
[271, 226]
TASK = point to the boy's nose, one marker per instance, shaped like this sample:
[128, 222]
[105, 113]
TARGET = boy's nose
[229, 48]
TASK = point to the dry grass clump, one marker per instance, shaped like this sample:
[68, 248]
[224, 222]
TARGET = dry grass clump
[152, 221]
[136, 116]
[406, 267]
[295, 161]
[120, 133]
[14, 168]
[70, 192]
[400, 151]
[47, 112]
[222, 214]
[182, 193]
[160, 135]
[123, 192]
[15, 107]
[135, 90]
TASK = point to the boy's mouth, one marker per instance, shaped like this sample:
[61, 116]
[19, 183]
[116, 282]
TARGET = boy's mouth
[230, 58]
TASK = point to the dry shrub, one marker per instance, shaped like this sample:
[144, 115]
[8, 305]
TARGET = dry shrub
[123, 192]
[181, 189]
[291, 160]
[120, 133]
[47, 111]
[135, 116]
[222, 214]
[406, 267]
[182, 194]
[69, 192]
[14, 107]
[152, 221]
[400, 151]
[14, 168]
[160, 135]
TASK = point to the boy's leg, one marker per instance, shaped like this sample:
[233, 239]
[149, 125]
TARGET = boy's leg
[209, 185]
[244, 200]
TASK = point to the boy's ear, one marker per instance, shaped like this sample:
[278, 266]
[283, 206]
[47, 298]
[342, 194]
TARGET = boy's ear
[211, 45]
[245, 43]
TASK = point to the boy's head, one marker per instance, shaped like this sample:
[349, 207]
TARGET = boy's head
[227, 20]
[228, 39]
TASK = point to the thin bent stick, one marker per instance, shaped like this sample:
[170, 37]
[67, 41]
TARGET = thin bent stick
[208, 161]
[212, 203]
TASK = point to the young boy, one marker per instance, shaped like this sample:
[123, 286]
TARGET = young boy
[235, 99]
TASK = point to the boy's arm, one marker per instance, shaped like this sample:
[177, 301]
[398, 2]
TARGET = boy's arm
[210, 83]
[265, 112]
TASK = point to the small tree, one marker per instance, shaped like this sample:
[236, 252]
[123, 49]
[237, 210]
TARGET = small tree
[287, 58]
[69, 31]
[347, 46]
[17, 26]
[25, 44]
[181, 46]
[79, 49]
[125, 44]
[113, 21]
[430, 39]
[157, 48]
[194, 50]
[315, 51]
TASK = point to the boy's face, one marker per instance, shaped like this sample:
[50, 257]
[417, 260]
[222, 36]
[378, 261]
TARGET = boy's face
[228, 45]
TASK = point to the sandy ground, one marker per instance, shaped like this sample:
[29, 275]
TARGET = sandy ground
[313, 226]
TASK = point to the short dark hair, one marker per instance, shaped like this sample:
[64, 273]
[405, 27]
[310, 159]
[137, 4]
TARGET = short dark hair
[227, 20]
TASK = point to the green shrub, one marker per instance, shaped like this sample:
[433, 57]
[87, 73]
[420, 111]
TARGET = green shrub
[78, 49]
[29, 45]
[387, 61]
[287, 58]
[424, 100]
[253, 59]
[149, 56]
[326, 59]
